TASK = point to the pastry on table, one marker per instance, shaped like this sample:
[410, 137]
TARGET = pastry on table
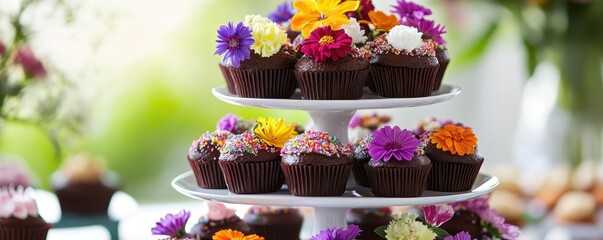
[556, 183]
[584, 176]
[19, 218]
[576, 207]
[509, 205]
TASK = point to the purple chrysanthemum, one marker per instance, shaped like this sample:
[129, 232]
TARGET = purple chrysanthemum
[283, 13]
[407, 10]
[338, 233]
[235, 42]
[391, 142]
[437, 215]
[459, 236]
[506, 230]
[227, 123]
[172, 225]
[429, 29]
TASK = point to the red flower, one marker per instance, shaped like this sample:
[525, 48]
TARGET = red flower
[325, 43]
[31, 65]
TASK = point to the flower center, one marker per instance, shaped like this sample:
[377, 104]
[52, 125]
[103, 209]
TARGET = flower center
[393, 145]
[326, 40]
[321, 17]
[457, 137]
[234, 42]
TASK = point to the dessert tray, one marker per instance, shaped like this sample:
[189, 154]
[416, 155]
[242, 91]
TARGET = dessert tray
[333, 116]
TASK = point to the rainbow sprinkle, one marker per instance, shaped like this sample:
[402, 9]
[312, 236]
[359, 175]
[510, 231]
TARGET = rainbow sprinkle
[380, 46]
[361, 150]
[246, 142]
[211, 141]
[315, 142]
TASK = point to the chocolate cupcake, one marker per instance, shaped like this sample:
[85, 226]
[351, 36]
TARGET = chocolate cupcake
[203, 158]
[456, 161]
[84, 187]
[398, 166]
[13, 174]
[404, 65]
[234, 124]
[361, 158]
[218, 218]
[19, 218]
[274, 223]
[250, 161]
[368, 219]
[316, 164]
[433, 32]
[444, 60]
[331, 68]
[228, 78]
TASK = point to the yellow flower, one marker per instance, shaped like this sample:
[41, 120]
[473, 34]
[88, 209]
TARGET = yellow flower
[406, 227]
[274, 132]
[313, 14]
[229, 234]
[269, 37]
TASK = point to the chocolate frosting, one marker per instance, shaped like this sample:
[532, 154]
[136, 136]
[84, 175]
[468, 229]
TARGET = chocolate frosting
[315, 159]
[416, 161]
[262, 156]
[403, 60]
[208, 153]
[439, 155]
[279, 60]
[25, 223]
[306, 64]
[464, 220]
[290, 217]
[361, 217]
[206, 229]
[442, 55]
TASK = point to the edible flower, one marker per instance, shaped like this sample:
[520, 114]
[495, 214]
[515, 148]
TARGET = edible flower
[283, 13]
[459, 236]
[362, 12]
[404, 38]
[234, 43]
[455, 139]
[354, 30]
[410, 10]
[436, 215]
[391, 142]
[229, 234]
[268, 36]
[227, 123]
[172, 225]
[429, 29]
[313, 14]
[31, 64]
[325, 43]
[338, 233]
[381, 21]
[274, 132]
[490, 220]
[407, 227]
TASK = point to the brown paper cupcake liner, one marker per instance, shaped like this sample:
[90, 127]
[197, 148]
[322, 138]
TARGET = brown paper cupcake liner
[24, 232]
[277, 232]
[316, 180]
[440, 73]
[369, 81]
[368, 232]
[359, 172]
[344, 85]
[264, 83]
[252, 177]
[452, 177]
[228, 77]
[208, 174]
[397, 182]
[402, 82]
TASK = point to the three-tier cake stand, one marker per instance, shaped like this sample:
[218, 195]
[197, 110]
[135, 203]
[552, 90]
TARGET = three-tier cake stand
[333, 116]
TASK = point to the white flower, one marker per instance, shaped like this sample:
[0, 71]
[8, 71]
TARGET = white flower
[354, 30]
[404, 38]
[407, 228]
[251, 20]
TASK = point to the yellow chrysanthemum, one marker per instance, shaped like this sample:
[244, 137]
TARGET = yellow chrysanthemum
[407, 228]
[269, 37]
[252, 20]
[313, 14]
[229, 234]
[274, 132]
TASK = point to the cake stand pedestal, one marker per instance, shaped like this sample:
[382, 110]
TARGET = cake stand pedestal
[333, 116]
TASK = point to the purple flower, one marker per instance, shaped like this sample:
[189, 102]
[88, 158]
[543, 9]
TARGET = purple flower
[228, 123]
[474, 205]
[172, 225]
[338, 233]
[391, 142]
[459, 236]
[406, 10]
[235, 42]
[429, 29]
[436, 215]
[31, 65]
[506, 230]
[355, 121]
[283, 13]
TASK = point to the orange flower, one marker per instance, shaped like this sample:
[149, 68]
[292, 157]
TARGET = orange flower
[313, 14]
[455, 139]
[381, 21]
[229, 234]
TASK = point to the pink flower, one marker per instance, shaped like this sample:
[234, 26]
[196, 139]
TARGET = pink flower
[31, 65]
[437, 215]
[218, 211]
[325, 43]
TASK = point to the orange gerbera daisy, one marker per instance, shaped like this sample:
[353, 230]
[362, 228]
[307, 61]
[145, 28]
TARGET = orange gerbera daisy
[381, 21]
[229, 234]
[455, 139]
[313, 14]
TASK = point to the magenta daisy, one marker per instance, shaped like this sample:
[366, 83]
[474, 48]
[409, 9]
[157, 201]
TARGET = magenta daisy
[429, 29]
[235, 42]
[325, 43]
[30, 63]
[362, 12]
[338, 233]
[407, 9]
[172, 225]
[283, 13]
[391, 142]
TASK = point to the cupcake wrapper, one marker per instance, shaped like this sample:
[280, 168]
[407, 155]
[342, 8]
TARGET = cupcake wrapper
[344, 85]
[316, 180]
[397, 182]
[369, 81]
[368, 232]
[360, 173]
[228, 77]
[277, 232]
[252, 177]
[264, 83]
[24, 232]
[401, 82]
[208, 174]
[440, 74]
[452, 177]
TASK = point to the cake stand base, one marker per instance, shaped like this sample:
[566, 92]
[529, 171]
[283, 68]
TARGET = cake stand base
[328, 218]
[333, 122]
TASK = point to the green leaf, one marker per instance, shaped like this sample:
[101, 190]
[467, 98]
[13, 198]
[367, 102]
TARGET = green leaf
[531, 56]
[440, 232]
[381, 231]
[478, 46]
